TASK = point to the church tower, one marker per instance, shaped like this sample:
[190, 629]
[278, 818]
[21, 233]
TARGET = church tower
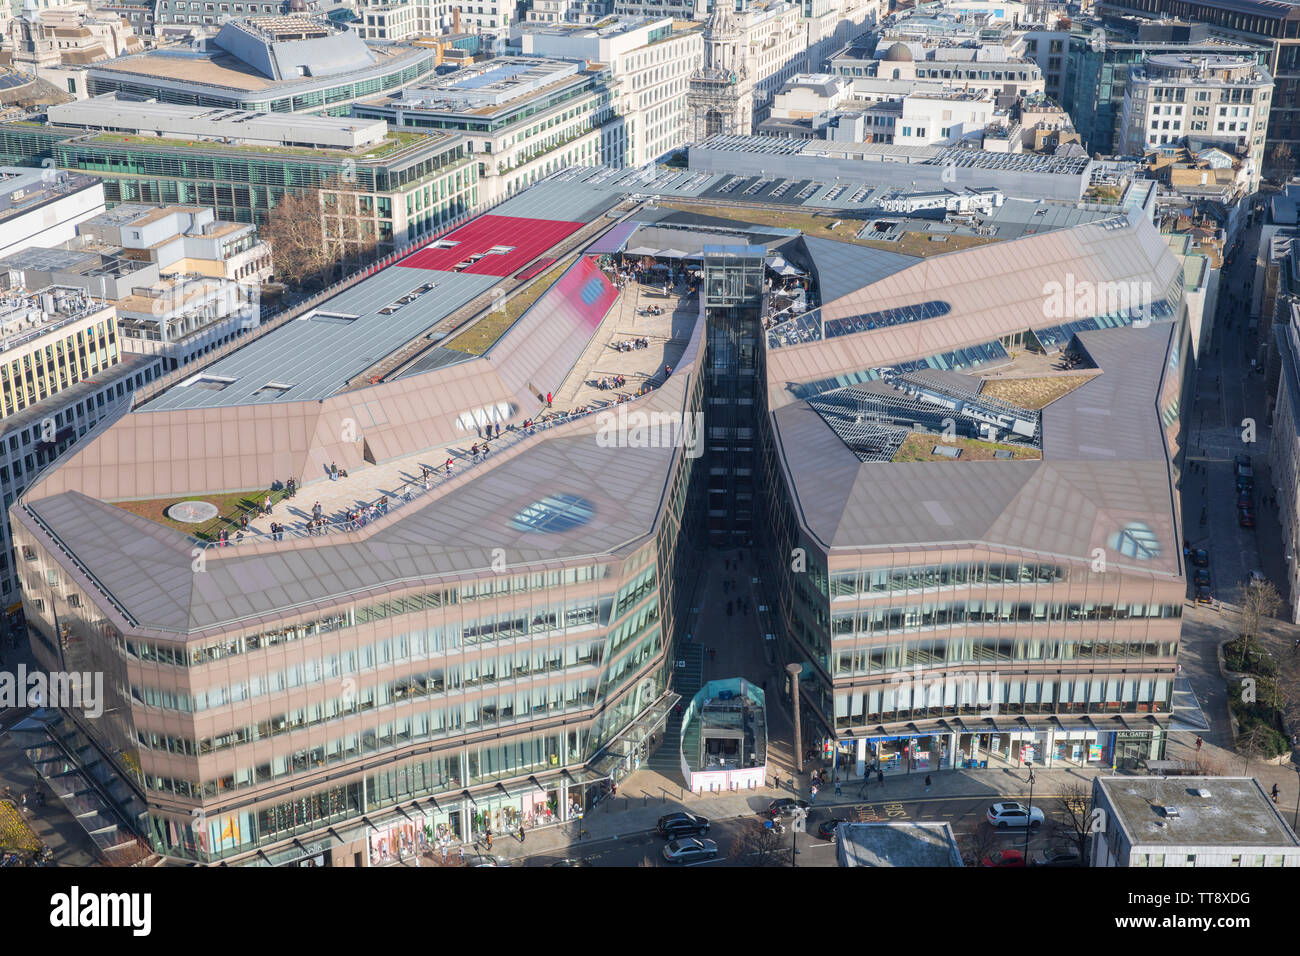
[721, 96]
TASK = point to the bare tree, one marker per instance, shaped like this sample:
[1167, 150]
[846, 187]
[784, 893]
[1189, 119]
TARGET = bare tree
[294, 228]
[1281, 156]
[1256, 742]
[978, 844]
[1072, 823]
[1259, 602]
[756, 845]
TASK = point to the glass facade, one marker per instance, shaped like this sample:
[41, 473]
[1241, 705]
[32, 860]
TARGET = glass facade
[488, 696]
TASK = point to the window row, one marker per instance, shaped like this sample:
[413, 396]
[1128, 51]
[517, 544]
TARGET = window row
[938, 614]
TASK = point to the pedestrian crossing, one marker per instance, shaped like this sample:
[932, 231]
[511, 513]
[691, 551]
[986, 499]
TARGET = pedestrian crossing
[687, 682]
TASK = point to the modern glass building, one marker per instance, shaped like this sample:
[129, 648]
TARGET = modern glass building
[265, 64]
[965, 572]
[965, 578]
[410, 185]
[488, 649]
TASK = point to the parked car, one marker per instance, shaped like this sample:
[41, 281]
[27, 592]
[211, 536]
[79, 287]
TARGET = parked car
[1004, 815]
[1004, 858]
[1202, 578]
[1201, 558]
[785, 806]
[485, 859]
[690, 850]
[1240, 462]
[673, 825]
[1256, 578]
[1246, 517]
[1056, 856]
[826, 829]
[1203, 596]
[1245, 500]
[1243, 471]
[1246, 485]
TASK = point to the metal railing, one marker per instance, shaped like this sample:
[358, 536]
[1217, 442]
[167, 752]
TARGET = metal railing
[411, 489]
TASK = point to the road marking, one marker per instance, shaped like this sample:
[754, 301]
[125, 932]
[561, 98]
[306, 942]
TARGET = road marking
[716, 859]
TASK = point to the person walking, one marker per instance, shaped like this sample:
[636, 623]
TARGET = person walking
[812, 794]
[880, 776]
[1199, 741]
[929, 782]
[1275, 793]
[837, 787]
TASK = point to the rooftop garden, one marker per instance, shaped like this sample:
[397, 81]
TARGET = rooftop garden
[395, 141]
[230, 507]
[819, 224]
[484, 333]
[1033, 393]
[919, 446]
[1104, 194]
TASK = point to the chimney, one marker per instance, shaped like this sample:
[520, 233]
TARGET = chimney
[455, 19]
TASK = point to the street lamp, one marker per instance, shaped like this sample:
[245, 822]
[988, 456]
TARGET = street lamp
[1029, 823]
[794, 670]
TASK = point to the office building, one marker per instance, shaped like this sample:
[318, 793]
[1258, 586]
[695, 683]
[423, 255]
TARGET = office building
[291, 64]
[407, 185]
[1086, 68]
[521, 118]
[651, 62]
[1270, 22]
[182, 283]
[1209, 100]
[63, 368]
[437, 693]
[41, 207]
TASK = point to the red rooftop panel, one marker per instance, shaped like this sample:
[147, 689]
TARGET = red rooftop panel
[528, 239]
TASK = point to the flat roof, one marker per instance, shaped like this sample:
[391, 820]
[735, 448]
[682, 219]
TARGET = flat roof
[1234, 812]
[897, 844]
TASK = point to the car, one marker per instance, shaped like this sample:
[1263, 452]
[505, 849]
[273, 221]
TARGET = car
[1056, 856]
[485, 859]
[1202, 578]
[1256, 578]
[1201, 558]
[1004, 858]
[1246, 485]
[1203, 596]
[826, 829]
[1004, 815]
[1240, 462]
[682, 824]
[1244, 472]
[569, 861]
[785, 806]
[1245, 500]
[1246, 517]
[690, 850]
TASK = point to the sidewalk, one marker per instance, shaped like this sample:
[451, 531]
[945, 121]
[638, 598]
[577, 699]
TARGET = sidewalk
[646, 796]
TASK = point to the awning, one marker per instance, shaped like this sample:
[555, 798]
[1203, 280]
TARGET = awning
[614, 240]
[468, 796]
[534, 781]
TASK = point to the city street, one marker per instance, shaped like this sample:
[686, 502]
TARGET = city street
[964, 813]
